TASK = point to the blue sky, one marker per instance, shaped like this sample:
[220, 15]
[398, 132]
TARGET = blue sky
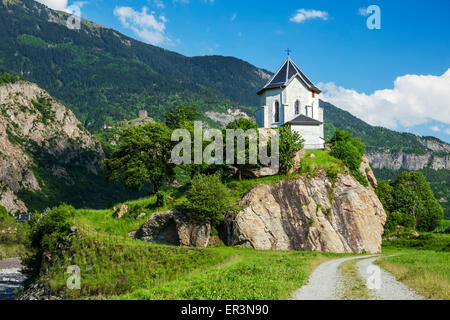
[329, 40]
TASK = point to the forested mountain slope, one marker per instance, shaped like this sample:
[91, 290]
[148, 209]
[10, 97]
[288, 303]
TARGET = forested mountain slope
[47, 156]
[103, 75]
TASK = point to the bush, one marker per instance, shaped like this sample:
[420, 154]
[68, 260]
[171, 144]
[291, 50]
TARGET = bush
[47, 230]
[350, 150]
[290, 143]
[161, 198]
[3, 213]
[52, 227]
[208, 199]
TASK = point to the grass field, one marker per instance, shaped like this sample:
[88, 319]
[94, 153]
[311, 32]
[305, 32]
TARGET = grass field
[116, 267]
[422, 264]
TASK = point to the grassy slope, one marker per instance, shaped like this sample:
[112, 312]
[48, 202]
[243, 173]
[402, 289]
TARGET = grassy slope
[114, 265]
[118, 267]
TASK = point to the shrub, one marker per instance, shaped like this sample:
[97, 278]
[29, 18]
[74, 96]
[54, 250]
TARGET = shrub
[161, 198]
[208, 199]
[3, 213]
[350, 150]
[290, 143]
[50, 228]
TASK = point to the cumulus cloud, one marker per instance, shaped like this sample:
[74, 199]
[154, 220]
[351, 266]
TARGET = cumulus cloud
[302, 15]
[414, 100]
[146, 26]
[55, 4]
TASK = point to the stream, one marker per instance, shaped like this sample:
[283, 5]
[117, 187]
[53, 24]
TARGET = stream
[10, 278]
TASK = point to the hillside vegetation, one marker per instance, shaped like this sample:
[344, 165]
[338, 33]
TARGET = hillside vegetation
[103, 75]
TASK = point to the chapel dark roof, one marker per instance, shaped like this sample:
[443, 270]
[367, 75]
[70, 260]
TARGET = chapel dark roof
[302, 119]
[284, 76]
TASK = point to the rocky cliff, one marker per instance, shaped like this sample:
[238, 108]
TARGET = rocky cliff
[397, 160]
[38, 133]
[306, 213]
[309, 214]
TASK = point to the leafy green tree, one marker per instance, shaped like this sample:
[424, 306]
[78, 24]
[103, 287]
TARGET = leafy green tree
[208, 199]
[290, 143]
[350, 150]
[410, 194]
[179, 116]
[143, 156]
[244, 125]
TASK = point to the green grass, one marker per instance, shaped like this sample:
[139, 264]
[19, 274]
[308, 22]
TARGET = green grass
[354, 288]
[426, 241]
[422, 263]
[425, 271]
[103, 221]
[120, 268]
[322, 161]
[443, 227]
[11, 250]
[247, 275]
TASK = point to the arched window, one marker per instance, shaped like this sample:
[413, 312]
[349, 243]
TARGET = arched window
[297, 107]
[276, 115]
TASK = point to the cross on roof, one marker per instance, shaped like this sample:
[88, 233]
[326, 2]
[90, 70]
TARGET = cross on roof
[288, 51]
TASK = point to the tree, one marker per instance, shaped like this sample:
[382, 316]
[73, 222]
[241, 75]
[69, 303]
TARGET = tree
[244, 125]
[143, 156]
[208, 199]
[177, 117]
[410, 195]
[350, 150]
[290, 143]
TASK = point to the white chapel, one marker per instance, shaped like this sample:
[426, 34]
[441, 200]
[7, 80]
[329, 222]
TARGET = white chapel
[290, 98]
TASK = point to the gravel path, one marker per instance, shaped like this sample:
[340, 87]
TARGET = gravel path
[390, 288]
[10, 278]
[325, 283]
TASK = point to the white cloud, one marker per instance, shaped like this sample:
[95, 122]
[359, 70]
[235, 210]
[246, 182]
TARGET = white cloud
[55, 4]
[414, 100]
[158, 3]
[435, 128]
[302, 15]
[145, 25]
[447, 131]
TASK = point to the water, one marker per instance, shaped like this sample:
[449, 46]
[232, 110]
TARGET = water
[10, 279]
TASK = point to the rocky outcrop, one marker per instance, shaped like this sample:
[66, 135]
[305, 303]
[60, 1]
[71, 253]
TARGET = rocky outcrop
[123, 210]
[397, 160]
[175, 228]
[309, 214]
[366, 170]
[34, 126]
[225, 118]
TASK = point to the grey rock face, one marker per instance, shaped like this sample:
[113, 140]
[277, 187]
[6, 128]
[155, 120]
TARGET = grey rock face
[398, 160]
[309, 214]
[174, 228]
[49, 128]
